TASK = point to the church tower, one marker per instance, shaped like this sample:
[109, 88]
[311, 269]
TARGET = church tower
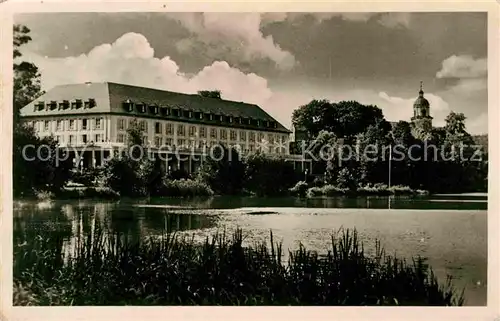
[421, 120]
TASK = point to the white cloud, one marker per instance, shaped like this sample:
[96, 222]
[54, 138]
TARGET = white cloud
[463, 67]
[233, 34]
[397, 108]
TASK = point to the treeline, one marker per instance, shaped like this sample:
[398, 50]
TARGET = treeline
[440, 160]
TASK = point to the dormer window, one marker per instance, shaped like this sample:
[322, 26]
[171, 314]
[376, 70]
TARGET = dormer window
[128, 105]
[40, 105]
[75, 104]
[249, 121]
[275, 125]
[90, 103]
[258, 123]
[230, 119]
[154, 108]
[221, 118]
[190, 114]
[141, 107]
[238, 120]
[200, 116]
[211, 116]
[52, 105]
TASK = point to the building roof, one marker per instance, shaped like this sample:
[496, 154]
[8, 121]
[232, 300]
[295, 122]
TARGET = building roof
[110, 98]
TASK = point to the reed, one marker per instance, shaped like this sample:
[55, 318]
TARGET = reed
[110, 269]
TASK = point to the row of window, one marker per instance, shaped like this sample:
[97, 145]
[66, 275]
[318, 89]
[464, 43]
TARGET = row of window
[68, 124]
[186, 143]
[129, 106]
[65, 104]
[201, 132]
[84, 139]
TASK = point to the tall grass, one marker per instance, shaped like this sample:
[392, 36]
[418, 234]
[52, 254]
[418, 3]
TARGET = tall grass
[106, 269]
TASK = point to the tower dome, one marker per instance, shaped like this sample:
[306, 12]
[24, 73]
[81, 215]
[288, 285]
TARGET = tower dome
[421, 120]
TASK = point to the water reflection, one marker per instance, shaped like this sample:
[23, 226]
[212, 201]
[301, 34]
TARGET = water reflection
[454, 241]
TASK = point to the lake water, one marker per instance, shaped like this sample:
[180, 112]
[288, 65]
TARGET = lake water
[449, 230]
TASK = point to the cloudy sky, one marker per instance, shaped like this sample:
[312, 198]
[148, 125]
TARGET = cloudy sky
[277, 60]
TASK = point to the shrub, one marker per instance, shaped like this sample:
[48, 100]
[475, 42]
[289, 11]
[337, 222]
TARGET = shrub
[186, 188]
[269, 175]
[300, 189]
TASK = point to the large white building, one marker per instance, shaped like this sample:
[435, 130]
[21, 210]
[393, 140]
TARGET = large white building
[91, 119]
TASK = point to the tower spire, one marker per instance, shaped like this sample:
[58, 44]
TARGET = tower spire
[421, 92]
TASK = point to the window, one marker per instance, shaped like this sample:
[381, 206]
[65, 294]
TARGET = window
[46, 125]
[223, 134]
[121, 124]
[181, 142]
[233, 135]
[120, 138]
[213, 133]
[98, 138]
[270, 138]
[169, 129]
[141, 107]
[98, 123]
[261, 137]
[157, 128]
[84, 124]
[190, 114]
[77, 103]
[258, 123]
[230, 119]
[181, 131]
[128, 105]
[283, 139]
[158, 141]
[72, 124]
[243, 136]
[143, 125]
[252, 137]
[200, 116]
[203, 132]
[71, 139]
[192, 131]
[59, 125]
[251, 148]
[221, 118]
[169, 141]
[84, 139]
[145, 140]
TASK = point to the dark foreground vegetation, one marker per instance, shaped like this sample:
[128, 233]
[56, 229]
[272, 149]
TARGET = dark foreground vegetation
[170, 270]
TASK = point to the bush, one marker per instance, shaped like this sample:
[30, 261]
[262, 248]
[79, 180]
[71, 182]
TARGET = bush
[269, 175]
[327, 190]
[300, 189]
[89, 192]
[220, 271]
[186, 188]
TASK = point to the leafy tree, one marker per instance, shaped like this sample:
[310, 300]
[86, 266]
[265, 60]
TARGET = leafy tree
[345, 119]
[47, 171]
[26, 76]
[224, 172]
[269, 175]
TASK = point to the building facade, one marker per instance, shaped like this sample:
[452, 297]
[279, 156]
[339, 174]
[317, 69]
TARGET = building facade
[92, 119]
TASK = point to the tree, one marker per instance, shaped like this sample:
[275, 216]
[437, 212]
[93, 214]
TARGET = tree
[269, 175]
[345, 119]
[210, 93]
[26, 76]
[224, 172]
[47, 171]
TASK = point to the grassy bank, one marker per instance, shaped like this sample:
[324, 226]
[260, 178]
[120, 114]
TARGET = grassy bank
[107, 270]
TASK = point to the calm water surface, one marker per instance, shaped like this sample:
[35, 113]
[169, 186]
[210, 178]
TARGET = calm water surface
[449, 230]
